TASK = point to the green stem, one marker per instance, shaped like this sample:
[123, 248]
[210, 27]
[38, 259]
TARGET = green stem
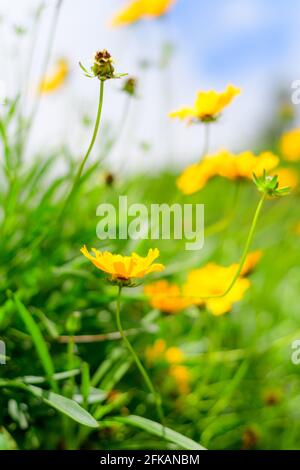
[35, 108]
[245, 252]
[138, 363]
[86, 156]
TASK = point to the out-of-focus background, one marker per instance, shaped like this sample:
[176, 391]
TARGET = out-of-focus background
[198, 45]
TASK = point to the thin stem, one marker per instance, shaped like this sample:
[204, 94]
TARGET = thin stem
[86, 156]
[138, 363]
[47, 56]
[244, 254]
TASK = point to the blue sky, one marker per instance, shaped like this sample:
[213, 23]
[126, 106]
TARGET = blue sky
[254, 44]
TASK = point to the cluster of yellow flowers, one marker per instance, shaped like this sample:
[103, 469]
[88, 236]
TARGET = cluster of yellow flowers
[226, 165]
[210, 281]
[174, 357]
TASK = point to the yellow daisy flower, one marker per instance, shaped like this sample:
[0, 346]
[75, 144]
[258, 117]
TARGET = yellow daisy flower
[137, 10]
[213, 280]
[290, 145]
[226, 165]
[56, 79]
[166, 297]
[208, 105]
[124, 268]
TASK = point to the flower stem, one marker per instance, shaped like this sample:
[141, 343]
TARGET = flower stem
[245, 252]
[86, 156]
[139, 364]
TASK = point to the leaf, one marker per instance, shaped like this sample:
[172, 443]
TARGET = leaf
[38, 340]
[6, 440]
[65, 406]
[85, 383]
[157, 429]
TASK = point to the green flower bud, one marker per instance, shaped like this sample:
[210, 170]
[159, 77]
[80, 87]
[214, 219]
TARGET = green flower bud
[103, 65]
[269, 185]
[130, 86]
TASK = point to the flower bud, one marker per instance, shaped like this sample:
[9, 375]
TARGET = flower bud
[103, 65]
[130, 86]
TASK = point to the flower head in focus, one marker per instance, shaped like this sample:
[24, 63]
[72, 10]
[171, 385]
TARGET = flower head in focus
[166, 297]
[56, 79]
[208, 105]
[102, 67]
[270, 186]
[124, 269]
[226, 165]
[290, 145]
[212, 281]
[137, 10]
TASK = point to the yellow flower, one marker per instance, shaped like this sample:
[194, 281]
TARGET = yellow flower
[141, 9]
[208, 105]
[166, 297]
[226, 165]
[56, 79]
[297, 228]
[155, 352]
[174, 355]
[124, 268]
[182, 377]
[290, 145]
[287, 177]
[213, 280]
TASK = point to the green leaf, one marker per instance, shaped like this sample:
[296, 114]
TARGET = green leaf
[38, 340]
[85, 383]
[6, 440]
[65, 406]
[157, 429]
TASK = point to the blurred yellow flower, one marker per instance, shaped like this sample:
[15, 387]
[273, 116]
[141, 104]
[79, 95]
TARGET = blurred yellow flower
[155, 352]
[166, 297]
[182, 378]
[137, 10]
[124, 268]
[56, 78]
[287, 177]
[208, 105]
[213, 280]
[226, 165]
[251, 261]
[297, 228]
[290, 145]
[174, 355]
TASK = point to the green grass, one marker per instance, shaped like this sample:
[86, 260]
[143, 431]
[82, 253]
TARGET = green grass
[238, 362]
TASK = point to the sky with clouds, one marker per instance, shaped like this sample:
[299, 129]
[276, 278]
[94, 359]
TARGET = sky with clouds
[254, 44]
